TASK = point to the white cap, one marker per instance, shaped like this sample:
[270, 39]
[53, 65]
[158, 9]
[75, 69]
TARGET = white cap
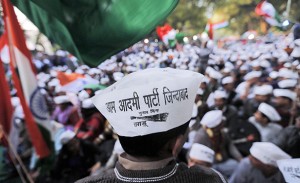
[296, 63]
[87, 104]
[212, 119]
[286, 73]
[202, 153]
[285, 93]
[19, 113]
[66, 136]
[263, 90]
[82, 95]
[61, 99]
[296, 52]
[252, 74]
[287, 83]
[200, 91]
[265, 64]
[220, 94]
[148, 101]
[268, 153]
[215, 74]
[227, 80]
[118, 75]
[287, 65]
[269, 111]
[273, 74]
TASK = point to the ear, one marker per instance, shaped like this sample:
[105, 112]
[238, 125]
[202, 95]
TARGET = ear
[178, 143]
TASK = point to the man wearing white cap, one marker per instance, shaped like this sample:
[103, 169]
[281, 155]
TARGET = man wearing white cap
[261, 94]
[150, 111]
[284, 101]
[75, 158]
[228, 85]
[264, 119]
[229, 111]
[212, 136]
[65, 112]
[201, 155]
[261, 165]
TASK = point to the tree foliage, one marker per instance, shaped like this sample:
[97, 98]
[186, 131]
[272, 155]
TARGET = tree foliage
[191, 16]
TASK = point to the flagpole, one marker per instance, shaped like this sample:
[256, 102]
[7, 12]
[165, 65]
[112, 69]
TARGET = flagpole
[15, 154]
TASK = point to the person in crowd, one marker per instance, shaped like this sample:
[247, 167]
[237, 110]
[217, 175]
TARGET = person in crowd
[65, 112]
[92, 123]
[75, 160]
[151, 141]
[262, 94]
[289, 139]
[264, 120]
[201, 155]
[284, 102]
[212, 136]
[229, 112]
[260, 165]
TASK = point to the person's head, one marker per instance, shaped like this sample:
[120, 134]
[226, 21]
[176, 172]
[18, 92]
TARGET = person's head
[87, 108]
[284, 97]
[263, 156]
[228, 83]
[201, 155]
[150, 110]
[70, 142]
[263, 93]
[213, 120]
[220, 99]
[62, 101]
[266, 114]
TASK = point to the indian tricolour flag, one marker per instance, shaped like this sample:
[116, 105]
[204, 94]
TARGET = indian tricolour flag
[269, 13]
[24, 78]
[167, 34]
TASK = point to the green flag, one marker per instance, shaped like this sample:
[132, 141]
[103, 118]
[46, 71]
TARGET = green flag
[94, 30]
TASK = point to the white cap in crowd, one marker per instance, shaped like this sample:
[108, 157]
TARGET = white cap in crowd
[285, 93]
[287, 83]
[87, 104]
[269, 111]
[61, 99]
[66, 136]
[220, 94]
[268, 153]
[212, 119]
[263, 90]
[227, 80]
[252, 74]
[202, 153]
[148, 101]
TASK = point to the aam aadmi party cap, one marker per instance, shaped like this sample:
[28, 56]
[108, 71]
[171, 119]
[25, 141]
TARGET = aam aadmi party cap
[285, 93]
[290, 169]
[220, 94]
[66, 136]
[61, 99]
[212, 118]
[268, 153]
[202, 153]
[149, 101]
[263, 90]
[227, 80]
[287, 83]
[269, 111]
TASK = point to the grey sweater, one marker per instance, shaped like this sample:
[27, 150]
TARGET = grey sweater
[172, 173]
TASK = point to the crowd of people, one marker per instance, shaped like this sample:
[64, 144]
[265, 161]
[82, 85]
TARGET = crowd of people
[245, 116]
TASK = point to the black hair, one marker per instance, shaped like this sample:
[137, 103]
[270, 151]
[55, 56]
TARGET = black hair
[150, 145]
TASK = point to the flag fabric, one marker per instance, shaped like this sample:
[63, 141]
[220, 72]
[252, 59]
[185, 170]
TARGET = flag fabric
[23, 74]
[217, 25]
[95, 30]
[267, 10]
[169, 35]
[6, 109]
[74, 82]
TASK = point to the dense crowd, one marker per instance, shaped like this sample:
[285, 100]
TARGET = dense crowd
[250, 94]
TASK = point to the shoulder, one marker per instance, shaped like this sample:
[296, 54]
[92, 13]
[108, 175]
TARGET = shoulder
[105, 176]
[205, 174]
